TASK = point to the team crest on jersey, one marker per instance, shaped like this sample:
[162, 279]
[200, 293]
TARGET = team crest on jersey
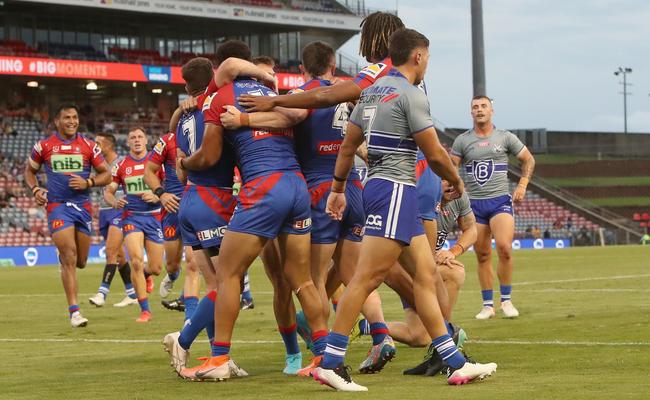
[56, 149]
[159, 147]
[374, 70]
[482, 170]
[498, 148]
[128, 170]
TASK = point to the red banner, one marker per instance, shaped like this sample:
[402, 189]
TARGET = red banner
[55, 68]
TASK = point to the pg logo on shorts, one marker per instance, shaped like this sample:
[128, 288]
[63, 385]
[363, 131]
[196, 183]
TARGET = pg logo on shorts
[374, 221]
[482, 171]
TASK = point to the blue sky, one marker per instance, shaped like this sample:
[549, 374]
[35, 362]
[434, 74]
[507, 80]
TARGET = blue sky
[549, 63]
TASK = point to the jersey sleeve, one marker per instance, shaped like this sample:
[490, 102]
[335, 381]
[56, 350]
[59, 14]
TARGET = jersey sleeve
[357, 116]
[457, 146]
[213, 107]
[513, 144]
[212, 87]
[370, 74]
[464, 205]
[96, 157]
[160, 150]
[115, 173]
[417, 111]
[36, 157]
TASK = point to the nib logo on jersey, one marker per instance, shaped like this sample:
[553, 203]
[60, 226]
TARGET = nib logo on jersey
[135, 185]
[66, 163]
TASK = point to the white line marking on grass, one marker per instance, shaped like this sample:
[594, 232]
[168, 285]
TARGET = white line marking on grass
[128, 341]
[597, 278]
[603, 290]
[555, 343]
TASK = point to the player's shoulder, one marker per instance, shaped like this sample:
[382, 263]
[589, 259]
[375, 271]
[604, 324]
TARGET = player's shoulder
[503, 132]
[377, 70]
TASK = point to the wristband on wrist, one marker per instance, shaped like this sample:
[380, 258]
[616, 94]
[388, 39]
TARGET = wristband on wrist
[159, 191]
[35, 189]
[338, 179]
[335, 190]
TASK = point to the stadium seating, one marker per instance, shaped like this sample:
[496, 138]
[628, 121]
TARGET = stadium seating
[18, 48]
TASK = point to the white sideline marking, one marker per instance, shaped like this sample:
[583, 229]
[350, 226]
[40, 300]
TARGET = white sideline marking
[597, 278]
[475, 341]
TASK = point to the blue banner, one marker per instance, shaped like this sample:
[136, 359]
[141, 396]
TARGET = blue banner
[43, 255]
[517, 244]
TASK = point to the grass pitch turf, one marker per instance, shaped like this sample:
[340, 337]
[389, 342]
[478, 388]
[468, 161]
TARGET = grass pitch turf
[584, 333]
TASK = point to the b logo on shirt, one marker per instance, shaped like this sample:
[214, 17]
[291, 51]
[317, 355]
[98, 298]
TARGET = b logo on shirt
[482, 170]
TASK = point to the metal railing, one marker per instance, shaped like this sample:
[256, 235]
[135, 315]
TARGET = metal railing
[358, 7]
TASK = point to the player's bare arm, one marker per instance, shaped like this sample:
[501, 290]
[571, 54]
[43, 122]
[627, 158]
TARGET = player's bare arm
[232, 67]
[209, 153]
[180, 173]
[280, 118]
[527, 161]
[467, 225]
[109, 196]
[437, 158]
[336, 200]
[321, 97]
[168, 200]
[40, 193]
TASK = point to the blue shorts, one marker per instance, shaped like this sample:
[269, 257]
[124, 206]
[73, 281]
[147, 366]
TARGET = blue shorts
[204, 214]
[107, 218]
[273, 204]
[485, 209]
[149, 224]
[170, 226]
[429, 191]
[390, 210]
[326, 230]
[64, 215]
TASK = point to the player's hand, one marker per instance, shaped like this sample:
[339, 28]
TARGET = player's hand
[121, 203]
[231, 118]
[41, 196]
[519, 194]
[149, 197]
[444, 256]
[336, 203]
[451, 264]
[170, 202]
[77, 183]
[256, 103]
[269, 81]
[189, 104]
[459, 187]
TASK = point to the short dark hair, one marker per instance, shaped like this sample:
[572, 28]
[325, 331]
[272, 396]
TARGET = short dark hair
[264, 60]
[233, 48]
[108, 136]
[481, 96]
[138, 128]
[197, 74]
[317, 58]
[65, 106]
[403, 42]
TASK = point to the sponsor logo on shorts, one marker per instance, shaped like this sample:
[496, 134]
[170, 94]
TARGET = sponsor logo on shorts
[116, 221]
[170, 232]
[374, 221]
[329, 148]
[211, 233]
[302, 224]
[57, 223]
[128, 227]
[358, 230]
[160, 233]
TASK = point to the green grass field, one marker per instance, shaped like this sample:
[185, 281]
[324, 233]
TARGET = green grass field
[584, 333]
[621, 201]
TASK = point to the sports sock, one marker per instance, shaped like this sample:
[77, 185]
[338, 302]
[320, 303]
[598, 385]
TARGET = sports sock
[144, 304]
[506, 291]
[246, 291]
[290, 338]
[146, 273]
[487, 298]
[319, 340]
[191, 303]
[125, 274]
[334, 354]
[448, 351]
[107, 278]
[364, 327]
[335, 303]
[73, 309]
[173, 276]
[202, 317]
[379, 331]
[220, 348]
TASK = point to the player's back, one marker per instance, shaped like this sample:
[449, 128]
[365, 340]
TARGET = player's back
[259, 152]
[189, 136]
[389, 112]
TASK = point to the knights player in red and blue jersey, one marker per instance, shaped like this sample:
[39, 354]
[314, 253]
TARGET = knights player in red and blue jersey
[163, 157]
[141, 220]
[68, 158]
[273, 202]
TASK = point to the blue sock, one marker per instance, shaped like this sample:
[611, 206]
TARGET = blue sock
[201, 318]
[104, 288]
[335, 304]
[191, 303]
[448, 351]
[319, 342]
[379, 331]
[73, 309]
[364, 327]
[173, 276]
[334, 354]
[144, 304]
[220, 349]
[290, 339]
[130, 291]
[487, 298]
[450, 328]
[246, 293]
[506, 291]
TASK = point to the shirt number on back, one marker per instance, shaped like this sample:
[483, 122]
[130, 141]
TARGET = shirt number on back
[369, 116]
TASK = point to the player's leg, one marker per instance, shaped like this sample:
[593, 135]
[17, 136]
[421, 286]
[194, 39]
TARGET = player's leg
[246, 302]
[453, 278]
[283, 307]
[134, 242]
[116, 242]
[503, 229]
[173, 255]
[155, 250]
[483, 250]
[321, 259]
[411, 331]
[191, 284]
[64, 240]
[99, 299]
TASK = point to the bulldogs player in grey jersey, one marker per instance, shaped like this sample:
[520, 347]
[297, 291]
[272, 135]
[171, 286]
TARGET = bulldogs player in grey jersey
[482, 154]
[393, 117]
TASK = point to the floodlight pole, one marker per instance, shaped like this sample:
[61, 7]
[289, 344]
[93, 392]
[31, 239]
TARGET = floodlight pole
[624, 72]
[478, 49]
